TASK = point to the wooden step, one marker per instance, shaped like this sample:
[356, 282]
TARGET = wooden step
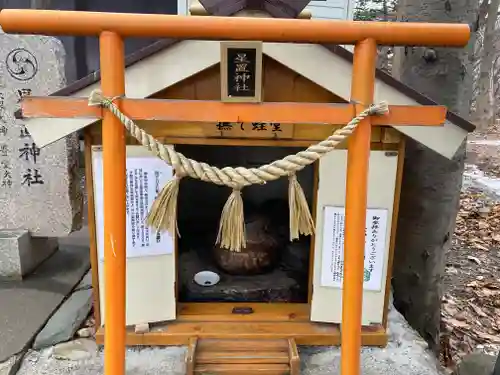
[242, 369]
[242, 357]
[218, 345]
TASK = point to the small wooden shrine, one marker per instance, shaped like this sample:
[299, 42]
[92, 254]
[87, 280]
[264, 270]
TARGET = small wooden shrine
[229, 118]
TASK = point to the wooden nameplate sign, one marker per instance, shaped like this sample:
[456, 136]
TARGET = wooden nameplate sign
[241, 81]
[241, 72]
[262, 130]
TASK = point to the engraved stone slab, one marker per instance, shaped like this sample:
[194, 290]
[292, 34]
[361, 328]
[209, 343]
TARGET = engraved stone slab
[39, 188]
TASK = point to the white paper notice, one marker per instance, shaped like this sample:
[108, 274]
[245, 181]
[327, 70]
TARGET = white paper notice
[333, 247]
[145, 178]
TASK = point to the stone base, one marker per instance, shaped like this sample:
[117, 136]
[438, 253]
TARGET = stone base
[275, 286]
[69, 317]
[20, 253]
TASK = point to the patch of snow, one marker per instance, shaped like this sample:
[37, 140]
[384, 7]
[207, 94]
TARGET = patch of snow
[405, 354]
[476, 178]
[486, 142]
[139, 361]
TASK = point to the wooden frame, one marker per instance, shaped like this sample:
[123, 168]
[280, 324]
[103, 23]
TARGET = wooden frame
[304, 333]
[287, 318]
[382, 138]
[224, 47]
[163, 307]
[94, 255]
[113, 27]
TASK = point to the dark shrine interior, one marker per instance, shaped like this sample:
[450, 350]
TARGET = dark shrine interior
[270, 268]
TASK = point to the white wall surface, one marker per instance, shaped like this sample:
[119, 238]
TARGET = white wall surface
[332, 9]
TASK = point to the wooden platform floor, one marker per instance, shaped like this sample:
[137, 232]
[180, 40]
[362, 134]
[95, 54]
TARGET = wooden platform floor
[304, 333]
[268, 321]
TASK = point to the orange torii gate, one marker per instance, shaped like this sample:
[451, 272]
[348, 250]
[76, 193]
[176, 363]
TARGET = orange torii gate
[113, 27]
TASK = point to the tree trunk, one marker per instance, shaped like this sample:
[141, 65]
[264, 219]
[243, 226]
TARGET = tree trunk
[431, 183]
[496, 84]
[383, 59]
[385, 10]
[483, 116]
[476, 50]
[399, 52]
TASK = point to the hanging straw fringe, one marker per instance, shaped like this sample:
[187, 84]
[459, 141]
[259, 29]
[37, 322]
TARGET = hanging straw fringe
[97, 99]
[232, 234]
[301, 221]
[163, 213]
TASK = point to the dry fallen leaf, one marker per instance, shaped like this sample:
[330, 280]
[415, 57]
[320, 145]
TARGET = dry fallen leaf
[492, 285]
[485, 292]
[478, 310]
[489, 337]
[474, 259]
[470, 312]
[457, 323]
[473, 284]
[449, 310]
[480, 247]
[461, 315]
[482, 225]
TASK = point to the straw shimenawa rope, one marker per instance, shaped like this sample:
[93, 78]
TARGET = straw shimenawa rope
[163, 214]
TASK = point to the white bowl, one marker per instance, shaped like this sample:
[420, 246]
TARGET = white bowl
[206, 278]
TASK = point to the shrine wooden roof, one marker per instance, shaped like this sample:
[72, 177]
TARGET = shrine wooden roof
[334, 76]
[339, 51]
[276, 8]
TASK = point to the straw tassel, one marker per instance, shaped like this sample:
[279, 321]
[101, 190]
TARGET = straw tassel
[301, 221]
[163, 213]
[96, 98]
[232, 235]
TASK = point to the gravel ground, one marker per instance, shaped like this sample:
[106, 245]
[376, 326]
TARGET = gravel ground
[406, 354]
[146, 361]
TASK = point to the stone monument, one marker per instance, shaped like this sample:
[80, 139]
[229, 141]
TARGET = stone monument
[40, 190]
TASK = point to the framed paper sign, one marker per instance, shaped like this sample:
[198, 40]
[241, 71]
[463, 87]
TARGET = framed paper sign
[332, 268]
[146, 175]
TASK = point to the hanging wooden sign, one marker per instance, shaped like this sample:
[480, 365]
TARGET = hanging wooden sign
[241, 71]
